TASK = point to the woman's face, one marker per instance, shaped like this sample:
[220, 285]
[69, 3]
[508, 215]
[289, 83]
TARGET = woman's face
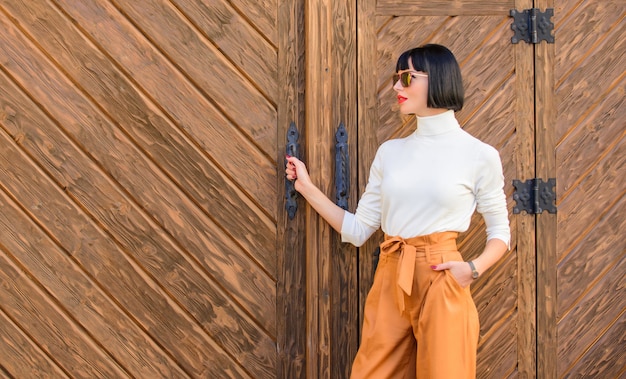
[413, 99]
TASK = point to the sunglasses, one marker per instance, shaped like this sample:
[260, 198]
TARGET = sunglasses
[405, 77]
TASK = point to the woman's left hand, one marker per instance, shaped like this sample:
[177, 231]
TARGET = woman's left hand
[461, 271]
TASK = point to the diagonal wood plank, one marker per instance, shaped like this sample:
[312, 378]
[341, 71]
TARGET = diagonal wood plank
[20, 355]
[192, 229]
[218, 196]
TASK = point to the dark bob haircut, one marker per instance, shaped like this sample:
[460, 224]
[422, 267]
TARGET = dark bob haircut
[445, 84]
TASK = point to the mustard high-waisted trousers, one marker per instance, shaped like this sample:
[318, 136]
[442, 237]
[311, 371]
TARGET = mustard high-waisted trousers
[418, 323]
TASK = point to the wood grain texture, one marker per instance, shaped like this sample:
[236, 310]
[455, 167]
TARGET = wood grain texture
[523, 226]
[589, 133]
[151, 179]
[318, 138]
[21, 356]
[344, 315]
[443, 7]
[546, 232]
[291, 290]
[143, 231]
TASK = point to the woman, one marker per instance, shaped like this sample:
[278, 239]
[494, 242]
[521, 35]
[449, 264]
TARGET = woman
[420, 319]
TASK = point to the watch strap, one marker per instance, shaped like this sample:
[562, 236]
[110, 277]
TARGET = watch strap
[475, 273]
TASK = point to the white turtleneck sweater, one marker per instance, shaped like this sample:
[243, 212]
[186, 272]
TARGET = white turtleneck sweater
[431, 181]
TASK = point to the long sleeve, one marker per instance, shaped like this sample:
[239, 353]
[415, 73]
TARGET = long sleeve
[490, 197]
[358, 227]
[431, 181]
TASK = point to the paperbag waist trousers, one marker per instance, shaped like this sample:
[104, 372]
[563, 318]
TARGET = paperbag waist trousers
[418, 323]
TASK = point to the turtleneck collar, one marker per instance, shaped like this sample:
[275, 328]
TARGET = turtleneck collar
[438, 124]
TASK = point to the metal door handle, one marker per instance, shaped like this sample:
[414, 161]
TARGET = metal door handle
[342, 167]
[293, 149]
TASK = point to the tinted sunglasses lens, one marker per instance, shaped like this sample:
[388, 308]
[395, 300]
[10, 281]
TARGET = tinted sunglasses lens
[404, 78]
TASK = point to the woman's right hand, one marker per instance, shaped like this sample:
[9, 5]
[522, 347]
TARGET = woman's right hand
[296, 171]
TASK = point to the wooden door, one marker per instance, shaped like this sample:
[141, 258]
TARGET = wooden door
[587, 272]
[499, 108]
[142, 231]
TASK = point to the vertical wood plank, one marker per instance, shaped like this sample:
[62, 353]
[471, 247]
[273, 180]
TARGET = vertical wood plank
[525, 224]
[318, 135]
[368, 118]
[344, 269]
[291, 291]
[331, 267]
[546, 223]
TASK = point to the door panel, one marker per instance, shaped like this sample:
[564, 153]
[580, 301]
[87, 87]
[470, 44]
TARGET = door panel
[590, 150]
[499, 111]
[140, 190]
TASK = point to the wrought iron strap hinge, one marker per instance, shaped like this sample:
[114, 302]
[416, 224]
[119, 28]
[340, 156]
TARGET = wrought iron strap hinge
[535, 196]
[532, 26]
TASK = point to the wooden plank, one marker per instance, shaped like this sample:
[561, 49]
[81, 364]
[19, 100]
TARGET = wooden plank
[584, 84]
[20, 357]
[586, 144]
[58, 335]
[96, 322]
[319, 120]
[368, 122]
[192, 171]
[590, 86]
[124, 279]
[583, 29]
[3, 373]
[232, 29]
[522, 225]
[192, 230]
[488, 118]
[291, 282]
[606, 358]
[605, 184]
[261, 15]
[495, 296]
[581, 329]
[444, 7]
[497, 356]
[136, 233]
[602, 247]
[343, 268]
[197, 117]
[245, 93]
[546, 232]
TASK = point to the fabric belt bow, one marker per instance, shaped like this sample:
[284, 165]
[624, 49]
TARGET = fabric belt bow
[406, 265]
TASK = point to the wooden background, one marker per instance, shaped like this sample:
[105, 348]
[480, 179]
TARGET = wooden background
[140, 196]
[590, 151]
[142, 231]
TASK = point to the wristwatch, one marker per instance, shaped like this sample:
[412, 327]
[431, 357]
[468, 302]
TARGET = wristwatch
[475, 273]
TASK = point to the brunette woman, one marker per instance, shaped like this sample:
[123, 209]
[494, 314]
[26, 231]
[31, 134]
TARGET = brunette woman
[420, 319]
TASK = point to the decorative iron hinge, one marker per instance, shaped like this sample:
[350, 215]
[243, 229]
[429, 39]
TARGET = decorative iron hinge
[535, 196]
[532, 26]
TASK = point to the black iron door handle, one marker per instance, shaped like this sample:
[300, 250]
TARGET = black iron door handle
[293, 149]
[342, 167]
